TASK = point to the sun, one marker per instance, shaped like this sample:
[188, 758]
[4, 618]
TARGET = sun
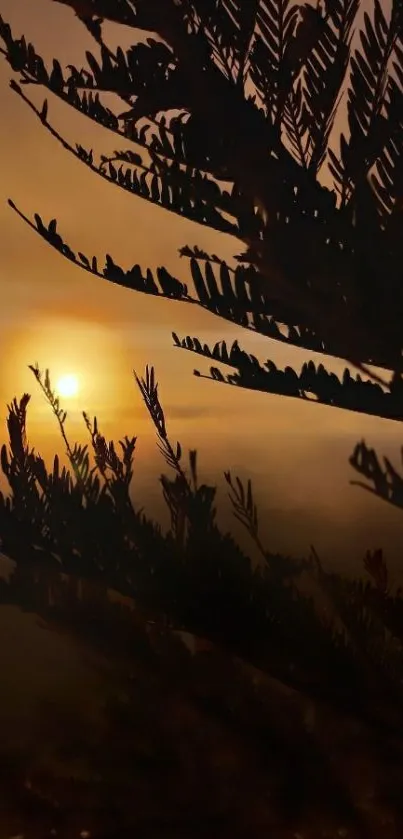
[67, 386]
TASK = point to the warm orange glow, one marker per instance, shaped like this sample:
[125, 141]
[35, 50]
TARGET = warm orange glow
[67, 386]
[54, 314]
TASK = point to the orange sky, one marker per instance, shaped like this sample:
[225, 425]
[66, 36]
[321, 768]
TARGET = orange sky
[61, 317]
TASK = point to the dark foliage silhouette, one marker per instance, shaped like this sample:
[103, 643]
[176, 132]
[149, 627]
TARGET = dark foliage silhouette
[232, 111]
[334, 645]
[81, 521]
[230, 108]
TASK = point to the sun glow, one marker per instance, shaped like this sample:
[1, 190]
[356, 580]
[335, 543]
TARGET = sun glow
[67, 386]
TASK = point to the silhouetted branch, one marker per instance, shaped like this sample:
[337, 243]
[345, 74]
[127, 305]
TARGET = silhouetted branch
[314, 383]
[385, 482]
[311, 260]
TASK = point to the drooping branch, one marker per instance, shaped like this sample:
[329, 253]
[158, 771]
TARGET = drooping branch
[314, 383]
[166, 186]
[231, 294]
[249, 165]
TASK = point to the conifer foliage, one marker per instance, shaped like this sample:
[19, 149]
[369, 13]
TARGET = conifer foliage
[231, 114]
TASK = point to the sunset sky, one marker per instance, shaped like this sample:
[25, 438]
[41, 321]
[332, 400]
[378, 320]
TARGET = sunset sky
[64, 319]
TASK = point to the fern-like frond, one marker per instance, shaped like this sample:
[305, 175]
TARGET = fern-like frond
[323, 76]
[365, 101]
[387, 175]
[276, 26]
[314, 383]
[234, 295]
